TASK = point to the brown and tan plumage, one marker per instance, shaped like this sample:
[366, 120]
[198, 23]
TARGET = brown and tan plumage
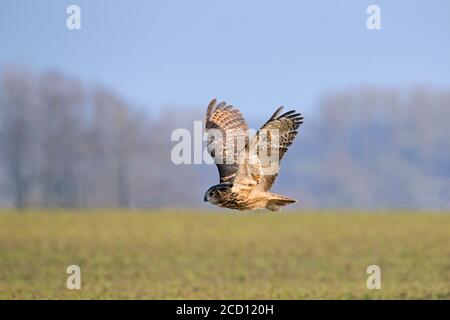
[247, 168]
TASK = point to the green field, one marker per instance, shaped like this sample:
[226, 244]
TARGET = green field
[189, 255]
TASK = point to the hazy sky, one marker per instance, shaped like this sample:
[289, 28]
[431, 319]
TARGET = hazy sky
[255, 54]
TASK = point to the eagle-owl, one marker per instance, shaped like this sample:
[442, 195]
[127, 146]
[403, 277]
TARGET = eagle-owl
[246, 172]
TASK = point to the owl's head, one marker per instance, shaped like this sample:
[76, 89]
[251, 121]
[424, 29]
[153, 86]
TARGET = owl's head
[213, 194]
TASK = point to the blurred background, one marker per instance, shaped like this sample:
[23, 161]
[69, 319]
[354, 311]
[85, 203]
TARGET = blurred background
[86, 115]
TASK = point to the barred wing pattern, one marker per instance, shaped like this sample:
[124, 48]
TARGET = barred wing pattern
[224, 122]
[274, 137]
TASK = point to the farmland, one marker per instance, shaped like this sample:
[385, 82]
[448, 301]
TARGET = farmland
[223, 255]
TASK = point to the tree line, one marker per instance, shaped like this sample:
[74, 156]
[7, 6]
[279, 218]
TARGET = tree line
[65, 144]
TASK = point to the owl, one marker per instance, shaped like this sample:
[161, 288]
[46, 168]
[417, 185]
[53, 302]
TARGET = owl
[247, 167]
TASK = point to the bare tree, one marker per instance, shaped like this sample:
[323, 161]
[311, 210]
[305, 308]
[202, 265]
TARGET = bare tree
[16, 112]
[59, 129]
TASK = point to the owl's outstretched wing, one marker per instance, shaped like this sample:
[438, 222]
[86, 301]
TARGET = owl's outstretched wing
[227, 133]
[260, 160]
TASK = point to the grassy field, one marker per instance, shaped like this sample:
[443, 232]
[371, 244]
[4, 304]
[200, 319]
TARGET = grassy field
[189, 255]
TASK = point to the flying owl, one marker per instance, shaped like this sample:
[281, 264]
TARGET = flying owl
[247, 167]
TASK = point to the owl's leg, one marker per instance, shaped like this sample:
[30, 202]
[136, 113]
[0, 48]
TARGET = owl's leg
[272, 206]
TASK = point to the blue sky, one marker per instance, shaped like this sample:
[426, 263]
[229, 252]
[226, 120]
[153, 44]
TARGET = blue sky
[254, 54]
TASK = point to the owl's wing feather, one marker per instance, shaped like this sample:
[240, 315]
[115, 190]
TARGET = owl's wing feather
[222, 124]
[260, 160]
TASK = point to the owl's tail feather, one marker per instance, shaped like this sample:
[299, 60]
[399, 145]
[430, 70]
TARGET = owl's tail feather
[277, 200]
